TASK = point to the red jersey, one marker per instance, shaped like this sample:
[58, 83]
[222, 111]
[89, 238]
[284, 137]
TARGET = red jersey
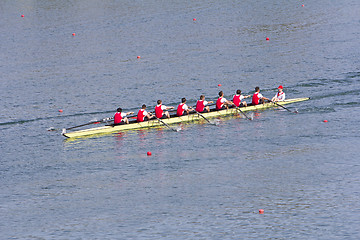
[180, 110]
[200, 106]
[117, 118]
[219, 104]
[140, 115]
[237, 100]
[255, 99]
[158, 111]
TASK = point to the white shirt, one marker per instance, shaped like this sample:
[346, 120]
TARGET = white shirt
[185, 107]
[280, 97]
[241, 97]
[163, 107]
[222, 100]
[260, 96]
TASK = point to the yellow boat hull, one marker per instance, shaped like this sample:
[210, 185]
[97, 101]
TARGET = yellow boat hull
[173, 120]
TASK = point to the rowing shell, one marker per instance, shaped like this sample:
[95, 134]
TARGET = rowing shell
[173, 120]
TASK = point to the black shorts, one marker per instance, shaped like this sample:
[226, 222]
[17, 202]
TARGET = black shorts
[120, 123]
[184, 114]
[203, 111]
[234, 106]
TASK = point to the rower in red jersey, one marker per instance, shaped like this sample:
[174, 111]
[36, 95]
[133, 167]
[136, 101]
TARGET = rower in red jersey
[159, 110]
[237, 99]
[142, 114]
[120, 117]
[258, 97]
[201, 105]
[182, 108]
[279, 96]
[222, 103]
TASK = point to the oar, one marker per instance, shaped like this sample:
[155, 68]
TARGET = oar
[167, 125]
[104, 120]
[237, 108]
[284, 107]
[92, 122]
[203, 116]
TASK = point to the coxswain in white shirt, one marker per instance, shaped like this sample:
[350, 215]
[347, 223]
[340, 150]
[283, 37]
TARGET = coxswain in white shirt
[160, 110]
[120, 117]
[258, 97]
[280, 95]
[142, 114]
[183, 108]
[222, 103]
[201, 105]
[237, 99]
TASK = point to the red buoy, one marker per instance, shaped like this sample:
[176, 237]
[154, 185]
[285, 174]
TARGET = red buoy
[149, 153]
[73, 34]
[22, 16]
[261, 211]
[219, 85]
[194, 19]
[138, 57]
[302, 5]
[60, 110]
[267, 39]
[325, 120]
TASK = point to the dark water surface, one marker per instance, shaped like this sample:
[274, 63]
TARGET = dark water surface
[204, 182]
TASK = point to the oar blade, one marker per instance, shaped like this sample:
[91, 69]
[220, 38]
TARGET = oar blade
[284, 107]
[167, 125]
[210, 122]
[252, 116]
[243, 113]
[215, 122]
